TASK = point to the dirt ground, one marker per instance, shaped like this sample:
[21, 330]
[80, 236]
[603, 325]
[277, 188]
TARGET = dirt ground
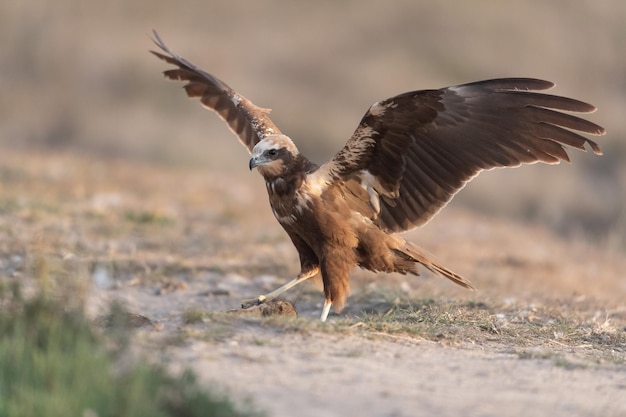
[546, 330]
[289, 369]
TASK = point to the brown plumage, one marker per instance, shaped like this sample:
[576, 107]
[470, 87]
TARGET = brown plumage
[407, 158]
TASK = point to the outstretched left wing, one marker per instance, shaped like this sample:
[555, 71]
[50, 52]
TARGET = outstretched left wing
[412, 153]
[249, 122]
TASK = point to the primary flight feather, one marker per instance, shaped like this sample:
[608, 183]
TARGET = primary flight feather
[408, 157]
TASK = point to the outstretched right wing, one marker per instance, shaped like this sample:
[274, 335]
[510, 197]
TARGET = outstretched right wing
[249, 122]
[413, 152]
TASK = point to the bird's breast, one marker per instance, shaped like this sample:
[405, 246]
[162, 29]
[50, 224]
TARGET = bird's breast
[283, 200]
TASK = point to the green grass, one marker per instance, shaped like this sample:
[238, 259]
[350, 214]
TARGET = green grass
[148, 217]
[194, 315]
[52, 363]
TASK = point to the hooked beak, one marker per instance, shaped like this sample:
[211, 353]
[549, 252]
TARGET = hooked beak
[253, 163]
[257, 160]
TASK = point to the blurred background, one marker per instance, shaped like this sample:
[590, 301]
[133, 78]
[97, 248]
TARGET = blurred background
[75, 76]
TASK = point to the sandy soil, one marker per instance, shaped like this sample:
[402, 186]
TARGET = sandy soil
[297, 371]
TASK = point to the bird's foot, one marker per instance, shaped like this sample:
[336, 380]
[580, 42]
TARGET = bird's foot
[254, 302]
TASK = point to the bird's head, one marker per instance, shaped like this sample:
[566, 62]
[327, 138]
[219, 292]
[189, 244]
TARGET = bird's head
[273, 155]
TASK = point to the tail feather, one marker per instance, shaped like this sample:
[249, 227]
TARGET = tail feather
[420, 256]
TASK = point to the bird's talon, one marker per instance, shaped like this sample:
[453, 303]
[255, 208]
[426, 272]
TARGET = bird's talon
[253, 302]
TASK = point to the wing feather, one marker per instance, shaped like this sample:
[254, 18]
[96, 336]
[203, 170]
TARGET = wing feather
[422, 147]
[249, 122]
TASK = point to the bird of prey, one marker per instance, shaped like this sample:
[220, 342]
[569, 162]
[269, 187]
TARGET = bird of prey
[408, 157]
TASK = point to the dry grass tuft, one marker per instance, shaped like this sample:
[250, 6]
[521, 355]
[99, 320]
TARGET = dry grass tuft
[518, 326]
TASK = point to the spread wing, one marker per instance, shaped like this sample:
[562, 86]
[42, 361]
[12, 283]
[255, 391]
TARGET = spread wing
[249, 122]
[412, 153]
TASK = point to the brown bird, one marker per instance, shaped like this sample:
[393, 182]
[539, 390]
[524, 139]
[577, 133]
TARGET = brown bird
[407, 158]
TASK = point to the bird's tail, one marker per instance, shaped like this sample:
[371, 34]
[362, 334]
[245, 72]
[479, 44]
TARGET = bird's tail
[419, 255]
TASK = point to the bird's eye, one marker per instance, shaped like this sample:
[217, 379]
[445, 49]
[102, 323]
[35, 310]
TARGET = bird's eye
[272, 152]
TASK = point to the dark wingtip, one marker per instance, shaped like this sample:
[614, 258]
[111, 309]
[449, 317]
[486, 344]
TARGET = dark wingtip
[594, 146]
[157, 40]
[512, 84]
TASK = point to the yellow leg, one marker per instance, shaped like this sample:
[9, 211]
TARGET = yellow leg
[277, 292]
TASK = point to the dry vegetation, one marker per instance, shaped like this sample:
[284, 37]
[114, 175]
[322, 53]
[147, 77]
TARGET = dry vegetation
[114, 187]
